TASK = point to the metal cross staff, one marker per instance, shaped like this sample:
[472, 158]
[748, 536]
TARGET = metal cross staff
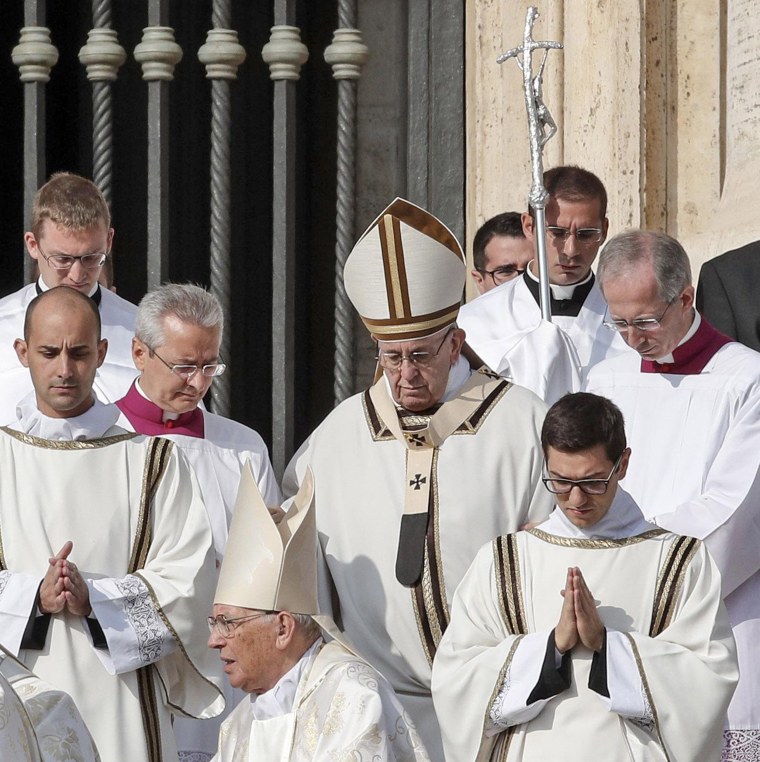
[542, 128]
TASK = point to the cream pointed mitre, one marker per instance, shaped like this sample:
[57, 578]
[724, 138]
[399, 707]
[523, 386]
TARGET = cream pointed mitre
[268, 566]
[406, 274]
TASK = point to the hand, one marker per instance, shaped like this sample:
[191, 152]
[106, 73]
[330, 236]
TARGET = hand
[590, 627]
[566, 631]
[52, 590]
[276, 512]
[75, 589]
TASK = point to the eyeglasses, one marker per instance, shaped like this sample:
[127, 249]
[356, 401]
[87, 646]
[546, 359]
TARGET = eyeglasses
[502, 274]
[394, 360]
[640, 324]
[66, 261]
[225, 627]
[589, 486]
[583, 236]
[186, 372]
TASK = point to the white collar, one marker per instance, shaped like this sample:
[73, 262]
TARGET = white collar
[623, 519]
[94, 423]
[279, 700]
[167, 415]
[560, 292]
[692, 330]
[44, 286]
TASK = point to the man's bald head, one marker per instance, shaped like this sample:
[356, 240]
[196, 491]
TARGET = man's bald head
[66, 299]
[63, 350]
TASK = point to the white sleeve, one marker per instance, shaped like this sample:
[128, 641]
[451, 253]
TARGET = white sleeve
[515, 703]
[627, 695]
[134, 630]
[18, 593]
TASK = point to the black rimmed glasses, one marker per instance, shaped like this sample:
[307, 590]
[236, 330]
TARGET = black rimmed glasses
[640, 324]
[560, 486]
[66, 261]
[226, 627]
[583, 236]
[186, 372]
[394, 360]
[502, 274]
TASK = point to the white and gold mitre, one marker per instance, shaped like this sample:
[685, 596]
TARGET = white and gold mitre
[268, 566]
[405, 275]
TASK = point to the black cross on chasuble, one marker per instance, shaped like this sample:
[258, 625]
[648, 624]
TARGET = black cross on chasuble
[421, 445]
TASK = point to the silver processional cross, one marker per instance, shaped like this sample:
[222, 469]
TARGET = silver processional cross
[541, 128]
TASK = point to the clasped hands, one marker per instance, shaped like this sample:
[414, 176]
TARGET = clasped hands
[63, 587]
[579, 620]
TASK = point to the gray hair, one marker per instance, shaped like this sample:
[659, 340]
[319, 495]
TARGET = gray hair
[669, 262]
[311, 629]
[188, 302]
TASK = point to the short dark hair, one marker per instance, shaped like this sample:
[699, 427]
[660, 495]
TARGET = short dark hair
[506, 223]
[572, 183]
[70, 295]
[582, 421]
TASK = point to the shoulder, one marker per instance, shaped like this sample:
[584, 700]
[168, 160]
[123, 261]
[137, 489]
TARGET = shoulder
[115, 309]
[744, 260]
[492, 301]
[627, 361]
[15, 304]
[228, 434]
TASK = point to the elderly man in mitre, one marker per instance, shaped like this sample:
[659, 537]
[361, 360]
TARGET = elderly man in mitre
[105, 548]
[311, 700]
[633, 659]
[416, 473]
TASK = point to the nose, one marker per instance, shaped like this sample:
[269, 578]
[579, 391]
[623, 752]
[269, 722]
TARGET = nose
[577, 497]
[199, 381]
[215, 640]
[64, 365]
[570, 247]
[408, 369]
[77, 272]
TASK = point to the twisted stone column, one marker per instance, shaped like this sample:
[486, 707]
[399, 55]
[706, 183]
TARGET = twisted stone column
[285, 54]
[346, 54]
[102, 56]
[221, 54]
[35, 56]
[158, 54]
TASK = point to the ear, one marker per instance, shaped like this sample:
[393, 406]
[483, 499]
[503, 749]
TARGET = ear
[623, 467]
[605, 230]
[286, 629]
[527, 226]
[21, 352]
[139, 353]
[457, 340]
[110, 239]
[102, 349]
[31, 245]
[687, 298]
[479, 280]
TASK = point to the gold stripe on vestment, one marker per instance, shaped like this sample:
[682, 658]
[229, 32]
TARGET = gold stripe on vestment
[648, 691]
[501, 747]
[598, 544]
[149, 711]
[68, 444]
[508, 584]
[393, 251]
[670, 581]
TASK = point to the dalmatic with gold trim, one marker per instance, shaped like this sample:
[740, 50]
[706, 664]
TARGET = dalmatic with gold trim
[142, 542]
[658, 592]
[403, 502]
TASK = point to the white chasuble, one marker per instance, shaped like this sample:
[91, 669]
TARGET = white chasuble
[658, 596]
[132, 509]
[695, 469]
[343, 709]
[482, 480]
